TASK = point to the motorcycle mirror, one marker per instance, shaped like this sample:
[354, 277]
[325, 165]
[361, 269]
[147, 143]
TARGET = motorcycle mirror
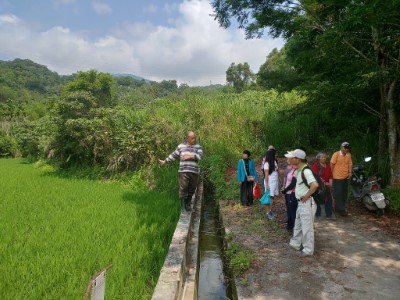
[367, 159]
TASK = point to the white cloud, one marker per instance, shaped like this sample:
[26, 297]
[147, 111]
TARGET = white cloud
[101, 8]
[11, 19]
[192, 49]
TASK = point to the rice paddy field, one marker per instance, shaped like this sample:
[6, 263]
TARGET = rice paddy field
[56, 233]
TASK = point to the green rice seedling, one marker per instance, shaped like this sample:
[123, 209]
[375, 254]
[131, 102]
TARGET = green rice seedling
[56, 233]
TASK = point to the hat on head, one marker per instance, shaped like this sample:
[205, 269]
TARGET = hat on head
[296, 153]
[345, 145]
[289, 154]
[270, 147]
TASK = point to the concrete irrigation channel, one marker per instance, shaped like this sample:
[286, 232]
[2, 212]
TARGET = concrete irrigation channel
[194, 267]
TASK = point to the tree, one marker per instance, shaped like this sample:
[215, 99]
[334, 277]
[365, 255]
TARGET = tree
[239, 76]
[367, 30]
[82, 133]
[278, 73]
[97, 84]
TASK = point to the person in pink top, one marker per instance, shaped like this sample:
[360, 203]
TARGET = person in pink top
[289, 184]
[323, 170]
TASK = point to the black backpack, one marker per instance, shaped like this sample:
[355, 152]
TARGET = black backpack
[321, 191]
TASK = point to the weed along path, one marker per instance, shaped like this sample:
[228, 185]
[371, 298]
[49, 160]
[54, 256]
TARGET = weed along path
[355, 257]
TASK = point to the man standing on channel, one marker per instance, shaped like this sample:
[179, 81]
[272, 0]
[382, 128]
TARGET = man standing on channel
[189, 154]
[341, 165]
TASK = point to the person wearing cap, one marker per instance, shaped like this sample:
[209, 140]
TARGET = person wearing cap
[303, 231]
[246, 176]
[189, 154]
[341, 165]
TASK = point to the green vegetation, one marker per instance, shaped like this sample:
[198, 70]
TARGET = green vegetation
[335, 79]
[393, 194]
[239, 259]
[342, 55]
[58, 232]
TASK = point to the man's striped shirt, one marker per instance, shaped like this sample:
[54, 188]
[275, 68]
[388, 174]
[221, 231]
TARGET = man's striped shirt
[190, 166]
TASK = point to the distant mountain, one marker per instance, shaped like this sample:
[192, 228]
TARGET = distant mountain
[24, 79]
[131, 76]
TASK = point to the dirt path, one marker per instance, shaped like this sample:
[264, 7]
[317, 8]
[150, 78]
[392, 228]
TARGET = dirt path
[357, 257]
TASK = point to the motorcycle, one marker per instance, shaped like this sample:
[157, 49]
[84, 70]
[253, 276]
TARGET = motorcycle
[368, 190]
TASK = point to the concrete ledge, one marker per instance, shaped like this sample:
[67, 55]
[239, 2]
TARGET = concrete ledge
[179, 274]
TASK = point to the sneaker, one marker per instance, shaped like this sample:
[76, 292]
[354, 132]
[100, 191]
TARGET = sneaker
[302, 254]
[288, 245]
[270, 215]
[331, 218]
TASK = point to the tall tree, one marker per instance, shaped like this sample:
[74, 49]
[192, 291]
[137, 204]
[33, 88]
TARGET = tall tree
[368, 29]
[97, 84]
[278, 73]
[239, 76]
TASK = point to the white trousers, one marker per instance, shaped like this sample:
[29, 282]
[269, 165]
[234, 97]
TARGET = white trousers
[303, 231]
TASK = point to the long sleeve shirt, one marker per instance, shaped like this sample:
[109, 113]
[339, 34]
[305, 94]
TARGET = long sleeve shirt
[191, 165]
[241, 170]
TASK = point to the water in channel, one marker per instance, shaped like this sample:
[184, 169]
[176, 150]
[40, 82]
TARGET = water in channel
[213, 281]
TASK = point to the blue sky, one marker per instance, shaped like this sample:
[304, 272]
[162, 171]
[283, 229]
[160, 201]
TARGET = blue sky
[154, 39]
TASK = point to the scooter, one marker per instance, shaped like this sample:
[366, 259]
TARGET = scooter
[368, 190]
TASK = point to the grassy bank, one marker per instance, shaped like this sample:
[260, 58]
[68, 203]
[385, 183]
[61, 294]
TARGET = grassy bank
[57, 232]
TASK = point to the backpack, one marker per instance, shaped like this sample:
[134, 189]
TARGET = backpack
[321, 191]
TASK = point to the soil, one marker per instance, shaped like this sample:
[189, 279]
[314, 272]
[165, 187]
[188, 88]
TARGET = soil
[356, 257]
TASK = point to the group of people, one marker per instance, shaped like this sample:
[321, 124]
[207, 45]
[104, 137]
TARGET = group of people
[300, 185]
[303, 198]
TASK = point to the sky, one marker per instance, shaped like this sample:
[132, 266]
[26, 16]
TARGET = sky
[154, 39]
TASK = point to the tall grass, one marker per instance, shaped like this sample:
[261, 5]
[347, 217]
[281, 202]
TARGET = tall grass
[225, 124]
[56, 233]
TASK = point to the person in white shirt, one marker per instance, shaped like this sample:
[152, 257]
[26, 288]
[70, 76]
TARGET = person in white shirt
[271, 180]
[303, 232]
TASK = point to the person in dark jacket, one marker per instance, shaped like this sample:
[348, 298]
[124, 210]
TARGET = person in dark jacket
[246, 176]
[289, 185]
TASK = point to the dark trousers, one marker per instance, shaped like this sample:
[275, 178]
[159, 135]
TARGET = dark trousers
[328, 201]
[246, 193]
[291, 208]
[187, 185]
[340, 194]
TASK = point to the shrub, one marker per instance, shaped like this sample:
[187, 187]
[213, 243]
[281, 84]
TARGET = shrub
[8, 146]
[393, 194]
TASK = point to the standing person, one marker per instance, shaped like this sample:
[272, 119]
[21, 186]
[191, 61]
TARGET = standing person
[189, 154]
[303, 232]
[324, 171]
[271, 180]
[270, 147]
[341, 165]
[289, 185]
[246, 176]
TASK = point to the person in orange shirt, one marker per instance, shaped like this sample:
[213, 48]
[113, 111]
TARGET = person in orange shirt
[341, 165]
